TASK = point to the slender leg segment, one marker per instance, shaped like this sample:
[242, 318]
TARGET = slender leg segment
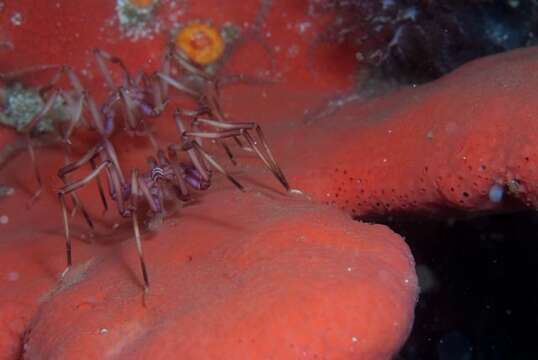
[37, 174]
[100, 187]
[216, 165]
[69, 258]
[236, 130]
[169, 81]
[69, 188]
[136, 229]
[100, 57]
[26, 130]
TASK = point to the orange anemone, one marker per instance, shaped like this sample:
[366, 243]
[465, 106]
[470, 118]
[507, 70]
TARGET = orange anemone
[202, 43]
[142, 3]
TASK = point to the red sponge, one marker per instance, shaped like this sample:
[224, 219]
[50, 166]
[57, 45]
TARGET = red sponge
[240, 275]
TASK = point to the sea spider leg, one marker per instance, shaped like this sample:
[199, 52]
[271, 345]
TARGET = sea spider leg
[208, 95]
[212, 135]
[178, 172]
[97, 120]
[185, 63]
[157, 91]
[135, 180]
[131, 122]
[165, 70]
[100, 187]
[72, 77]
[116, 187]
[67, 189]
[154, 85]
[169, 81]
[211, 97]
[215, 164]
[129, 104]
[155, 166]
[177, 179]
[116, 178]
[145, 191]
[77, 203]
[112, 156]
[268, 160]
[76, 111]
[206, 111]
[190, 150]
[76, 107]
[26, 130]
[44, 111]
[18, 73]
[272, 164]
[70, 167]
[129, 108]
[90, 157]
[100, 57]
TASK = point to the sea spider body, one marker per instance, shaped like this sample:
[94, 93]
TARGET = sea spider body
[138, 97]
[139, 103]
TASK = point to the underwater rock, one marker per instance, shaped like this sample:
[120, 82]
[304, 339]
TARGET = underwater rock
[430, 148]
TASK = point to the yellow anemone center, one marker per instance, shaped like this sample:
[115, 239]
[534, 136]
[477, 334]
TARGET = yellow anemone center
[201, 43]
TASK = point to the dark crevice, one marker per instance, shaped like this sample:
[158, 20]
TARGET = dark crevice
[479, 282]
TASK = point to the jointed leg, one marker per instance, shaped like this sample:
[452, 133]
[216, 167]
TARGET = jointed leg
[268, 159]
[159, 97]
[128, 107]
[76, 116]
[165, 70]
[37, 174]
[221, 124]
[77, 203]
[271, 164]
[136, 229]
[216, 165]
[69, 188]
[169, 81]
[186, 64]
[61, 196]
[100, 57]
[113, 157]
[18, 73]
[174, 164]
[90, 154]
[100, 187]
[198, 164]
[98, 122]
[26, 130]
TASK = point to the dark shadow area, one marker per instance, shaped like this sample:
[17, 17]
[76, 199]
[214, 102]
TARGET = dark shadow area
[479, 281]
[414, 41]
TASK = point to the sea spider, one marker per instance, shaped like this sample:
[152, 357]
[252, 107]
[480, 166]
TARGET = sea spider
[138, 97]
[165, 172]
